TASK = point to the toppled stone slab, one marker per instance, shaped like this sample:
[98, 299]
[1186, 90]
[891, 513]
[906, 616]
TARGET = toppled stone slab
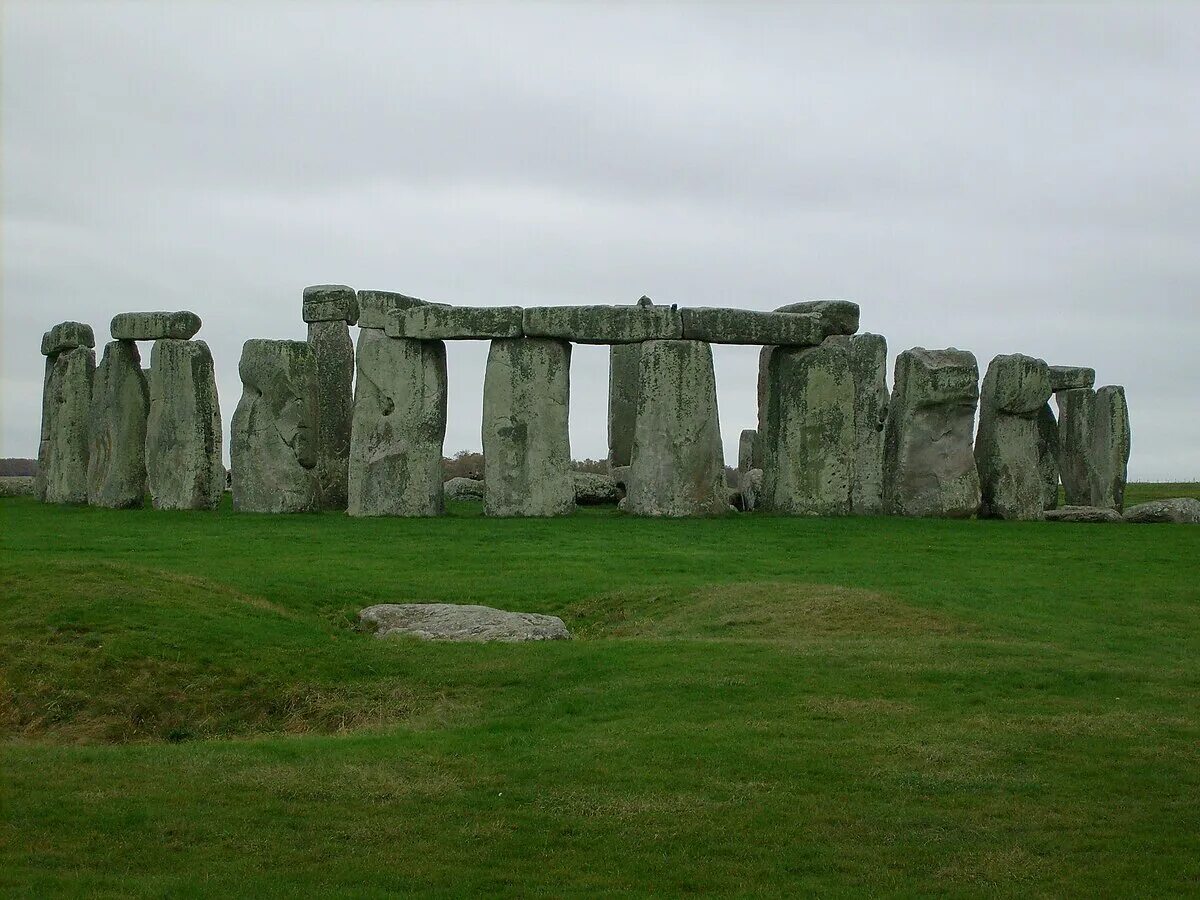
[330, 303]
[1066, 378]
[67, 336]
[592, 489]
[1093, 445]
[1096, 514]
[117, 443]
[526, 440]
[460, 622]
[1176, 511]
[1008, 445]
[333, 355]
[273, 437]
[603, 324]
[183, 431]
[151, 326]
[63, 454]
[747, 326]
[678, 466]
[749, 455]
[374, 307]
[835, 316]
[929, 461]
[399, 426]
[433, 322]
[462, 488]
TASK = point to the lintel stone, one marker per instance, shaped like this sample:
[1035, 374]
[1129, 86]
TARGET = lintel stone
[837, 316]
[67, 336]
[748, 326]
[1066, 378]
[436, 323]
[330, 303]
[604, 324]
[181, 325]
[374, 307]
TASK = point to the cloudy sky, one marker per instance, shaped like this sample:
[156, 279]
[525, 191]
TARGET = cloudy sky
[1000, 178]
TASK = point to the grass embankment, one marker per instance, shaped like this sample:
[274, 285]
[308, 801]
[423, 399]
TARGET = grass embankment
[755, 704]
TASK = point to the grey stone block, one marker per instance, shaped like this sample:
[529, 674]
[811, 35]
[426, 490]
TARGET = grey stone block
[747, 326]
[434, 322]
[374, 307]
[592, 489]
[1093, 445]
[330, 303]
[1008, 446]
[1066, 378]
[1091, 514]
[152, 326]
[63, 457]
[1177, 511]
[333, 354]
[67, 336]
[117, 443]
[460, 622]
[868, 368]
[464, 489]
[836, 316]
[603, 324]
[624, 375]
[749, 455]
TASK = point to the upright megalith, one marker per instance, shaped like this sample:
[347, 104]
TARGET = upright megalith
[928, 460]
[399, 426]
[1093, 445]
[66, 409]
[808, 437]
[329, 310]
[677, 466]
[1009, 445]
[749, 454]
[624, 375]
[526, 445]
[273, 438]
[117, 433]
[183, 430]
[868, 368]
[1048, 455]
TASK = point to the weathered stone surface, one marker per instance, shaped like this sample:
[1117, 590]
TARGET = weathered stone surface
[1048, 455]
[624, 375]
[808, 442]
[677, 468]
[836, 316]
[620, 474]
[433, 322]
[399, 426]
[750, 487]
[748, 326]
[333, 355]
[1093, 445]
[44, 442]
[1008, 446]
[273, 438]
[868, 368]
[603, 324]
[152, 326]
[526, 444]
[595, 490]
[183, 431]
[67, 336]
[929, 462]
[374, 307]
[1096, 514]
[63, 458]
[17, 486]
[330, 303]
[461, 488]
[460, 622]
[1066, 378]
[1178, 511]
[749, 455]
[117, 442]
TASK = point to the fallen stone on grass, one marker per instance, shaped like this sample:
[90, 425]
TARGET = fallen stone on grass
[462, 488]
[1176, 511]
[594, 490]
[460, 622]
[1096, 514]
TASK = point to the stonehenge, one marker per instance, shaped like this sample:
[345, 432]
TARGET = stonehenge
[324, 423]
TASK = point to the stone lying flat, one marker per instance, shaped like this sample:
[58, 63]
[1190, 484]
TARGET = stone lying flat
[1098, 514]
[151, 326]
[117, 442]
[461, 622]
[594, 490]
[462, 488]
[330, 303]
[748, 326]
[1065, 378]
[67, 336]
[374, 307]
[436, 323]
[603, 324]
[1177, 511]
[836, 316]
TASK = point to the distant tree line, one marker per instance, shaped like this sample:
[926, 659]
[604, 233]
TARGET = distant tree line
[14, 466]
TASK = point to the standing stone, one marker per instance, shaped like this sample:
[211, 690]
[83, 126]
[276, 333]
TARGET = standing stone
[399, 426]
[117, 445]
[44, 441]
[1008, 445]
[63, 456]
[1048, 455]
[526, 445]
[808, 445]
[624, 375]
[928, 462]
[183, 431]
[677, 468]
[1093, 445]
[749, 456]
[868, 368]
[273, 438]
[329, 310]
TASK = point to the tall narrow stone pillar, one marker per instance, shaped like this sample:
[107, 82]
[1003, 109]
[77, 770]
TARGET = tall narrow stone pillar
[868, 368]
[273, 439]
[624, 364]
[526, 442]
[808, 445]
[1048, 456]
[1008, 445]
[66, 410]
[1093, 445]
[117, 446]
[183, 431]
[749, 455]
[329, 310]
[677, 466]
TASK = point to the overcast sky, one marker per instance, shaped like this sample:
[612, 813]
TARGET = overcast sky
[996, 178]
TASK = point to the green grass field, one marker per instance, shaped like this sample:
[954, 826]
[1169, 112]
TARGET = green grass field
[753, 705]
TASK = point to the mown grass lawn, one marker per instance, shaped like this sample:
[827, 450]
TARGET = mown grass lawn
[753, 705]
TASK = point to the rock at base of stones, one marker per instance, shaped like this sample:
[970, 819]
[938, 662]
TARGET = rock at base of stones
[1098, 514]
[592, 489]
[462, 488]
[1175, 511]
[460, 622]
